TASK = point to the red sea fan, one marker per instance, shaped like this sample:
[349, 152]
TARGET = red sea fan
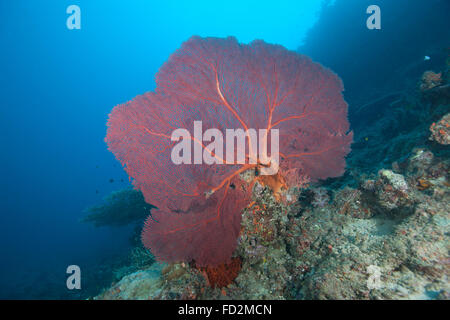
[226, 85]
[224, 274]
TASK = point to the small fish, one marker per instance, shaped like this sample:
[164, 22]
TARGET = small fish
[426, 58]
[96, 191]
[366, 138]
[111, 180]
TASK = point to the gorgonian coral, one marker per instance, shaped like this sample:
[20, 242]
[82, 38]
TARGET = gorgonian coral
[226, 85]
[223, 274]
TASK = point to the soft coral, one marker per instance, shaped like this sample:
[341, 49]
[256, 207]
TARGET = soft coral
[225, 85]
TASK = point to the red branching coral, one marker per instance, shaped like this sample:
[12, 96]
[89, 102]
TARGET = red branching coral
[226, 85]
[224, 274]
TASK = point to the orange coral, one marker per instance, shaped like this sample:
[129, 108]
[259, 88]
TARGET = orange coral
[423, 184]
[282, 181]
[275, 182]
[224, 274]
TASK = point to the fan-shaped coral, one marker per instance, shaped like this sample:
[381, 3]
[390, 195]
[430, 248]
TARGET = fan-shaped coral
[226, 85]
[223, 274]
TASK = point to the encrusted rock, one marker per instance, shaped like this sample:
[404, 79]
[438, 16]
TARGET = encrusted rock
[440, 131]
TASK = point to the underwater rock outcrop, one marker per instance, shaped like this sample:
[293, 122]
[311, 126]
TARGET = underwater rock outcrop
[430, 80]
[440, 131]
[119, 208]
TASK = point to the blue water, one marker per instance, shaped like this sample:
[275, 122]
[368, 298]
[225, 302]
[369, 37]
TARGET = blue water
[57, 87]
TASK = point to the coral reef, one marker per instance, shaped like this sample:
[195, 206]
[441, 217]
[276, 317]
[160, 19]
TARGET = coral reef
[384, 236]
[430, 80]
[389, 127]
[396, 247]
[379, 232]
[140, 285]
[401, 256]
[391, 191]
[321, 197]
[440, 131]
